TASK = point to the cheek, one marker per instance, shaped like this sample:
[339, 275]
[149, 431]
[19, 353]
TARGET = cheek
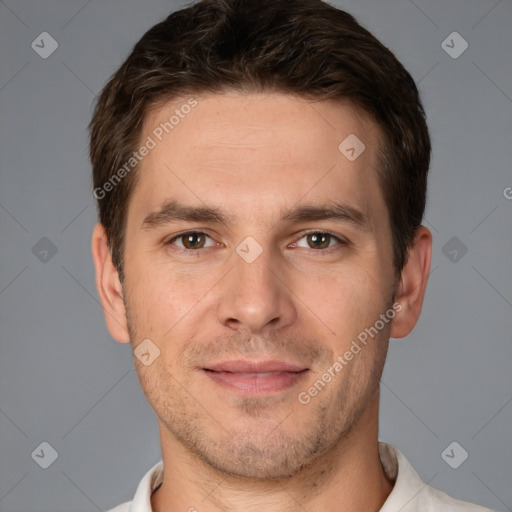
[162, 291]
[168, 307]
[348, 301]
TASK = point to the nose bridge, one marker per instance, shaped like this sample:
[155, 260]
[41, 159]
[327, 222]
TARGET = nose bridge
[253, 296]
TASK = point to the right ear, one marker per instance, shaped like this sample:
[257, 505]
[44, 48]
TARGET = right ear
[109, 286]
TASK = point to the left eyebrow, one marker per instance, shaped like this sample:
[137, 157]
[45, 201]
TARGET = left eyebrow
[338, 212]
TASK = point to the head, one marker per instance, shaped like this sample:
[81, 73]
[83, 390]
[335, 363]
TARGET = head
[260, 170]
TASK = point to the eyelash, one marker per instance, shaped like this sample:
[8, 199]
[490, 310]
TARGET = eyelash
[198, 252]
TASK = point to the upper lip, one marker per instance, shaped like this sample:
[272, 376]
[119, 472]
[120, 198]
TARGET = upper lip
[245, 366]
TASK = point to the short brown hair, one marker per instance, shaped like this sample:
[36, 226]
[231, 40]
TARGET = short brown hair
[301, 47]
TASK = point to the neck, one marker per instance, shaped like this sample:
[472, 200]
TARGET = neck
[350, 477]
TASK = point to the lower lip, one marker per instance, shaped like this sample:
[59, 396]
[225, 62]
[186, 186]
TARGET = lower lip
[257, 384]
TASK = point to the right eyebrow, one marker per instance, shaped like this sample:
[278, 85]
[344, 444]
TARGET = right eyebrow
[173, 210]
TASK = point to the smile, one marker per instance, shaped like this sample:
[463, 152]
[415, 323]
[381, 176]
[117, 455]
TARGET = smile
[255, 378]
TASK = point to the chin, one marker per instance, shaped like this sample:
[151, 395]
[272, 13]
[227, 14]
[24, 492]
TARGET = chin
[254, 465]
[260, 459]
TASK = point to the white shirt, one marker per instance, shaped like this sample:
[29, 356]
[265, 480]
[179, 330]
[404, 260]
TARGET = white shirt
[409, 493]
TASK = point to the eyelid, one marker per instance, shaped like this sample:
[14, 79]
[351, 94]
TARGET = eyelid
[171, 240]
[341, 240]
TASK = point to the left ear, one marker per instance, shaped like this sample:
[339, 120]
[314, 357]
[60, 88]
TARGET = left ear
[413, 283]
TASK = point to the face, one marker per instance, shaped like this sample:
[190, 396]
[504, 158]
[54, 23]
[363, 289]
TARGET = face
[256, 254]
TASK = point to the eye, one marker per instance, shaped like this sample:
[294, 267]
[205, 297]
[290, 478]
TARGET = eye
[191, 240]
[318, 240]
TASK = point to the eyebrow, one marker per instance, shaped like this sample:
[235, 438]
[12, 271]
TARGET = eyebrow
[172, 210]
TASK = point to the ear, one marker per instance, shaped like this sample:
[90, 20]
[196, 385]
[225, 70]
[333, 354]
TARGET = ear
[413, 283]
[109, 286]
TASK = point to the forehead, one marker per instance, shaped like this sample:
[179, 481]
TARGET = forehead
[254, 153]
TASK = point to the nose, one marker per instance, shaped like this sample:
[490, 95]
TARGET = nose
[256, 296]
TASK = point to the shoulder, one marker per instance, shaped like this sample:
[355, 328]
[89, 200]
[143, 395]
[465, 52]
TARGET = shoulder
[431, 499]
[410, 493]
[124, 507]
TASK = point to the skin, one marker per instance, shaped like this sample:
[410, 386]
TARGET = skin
[256, 155]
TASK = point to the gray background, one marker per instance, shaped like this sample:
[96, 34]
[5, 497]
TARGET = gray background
[65, 381]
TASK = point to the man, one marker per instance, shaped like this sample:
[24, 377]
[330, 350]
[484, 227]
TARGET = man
[260, 170]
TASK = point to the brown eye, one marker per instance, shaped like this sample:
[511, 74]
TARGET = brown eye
[192, 243]
[319, 240]
[193, 240]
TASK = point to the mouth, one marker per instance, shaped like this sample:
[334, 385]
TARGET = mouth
[256, 377]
